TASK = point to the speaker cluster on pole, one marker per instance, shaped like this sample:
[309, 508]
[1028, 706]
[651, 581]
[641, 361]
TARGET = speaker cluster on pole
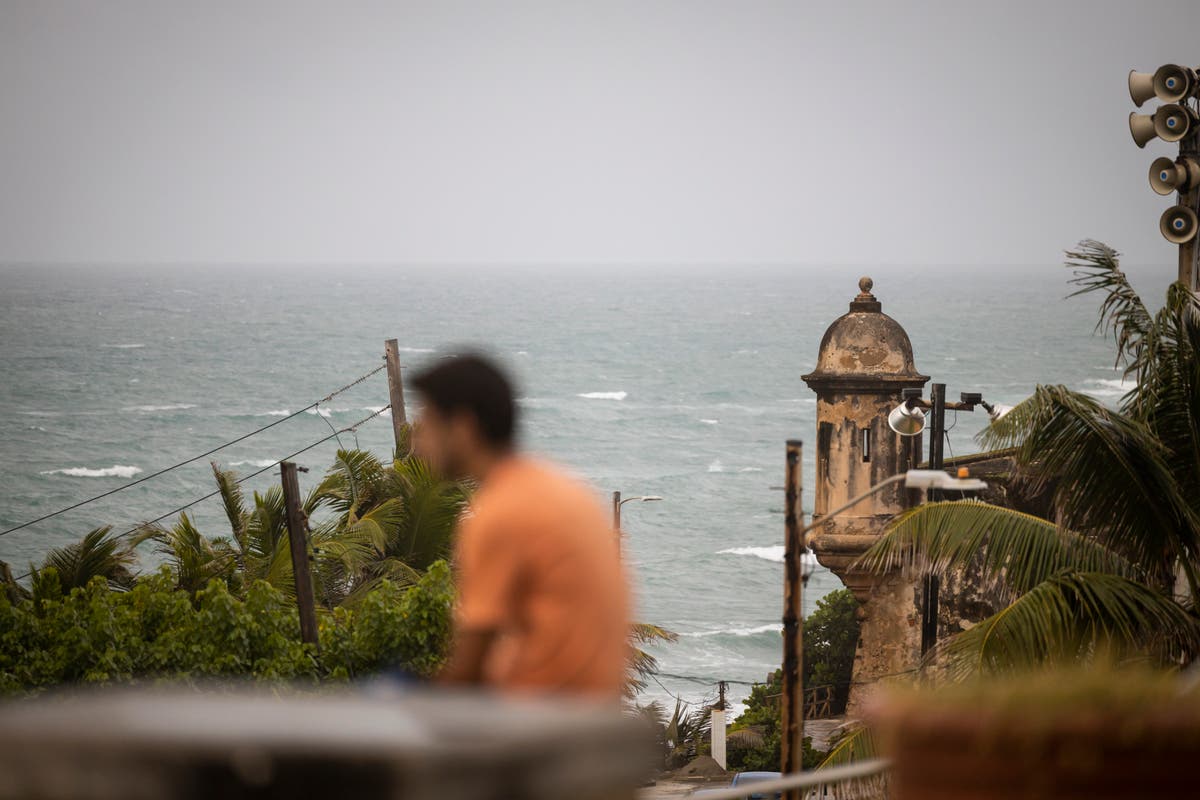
[1176, 120]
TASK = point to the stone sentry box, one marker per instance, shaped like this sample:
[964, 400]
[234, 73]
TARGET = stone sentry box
[865, 362]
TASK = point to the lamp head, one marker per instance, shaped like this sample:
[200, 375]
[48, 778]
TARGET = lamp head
[996, 411]
[907, 419]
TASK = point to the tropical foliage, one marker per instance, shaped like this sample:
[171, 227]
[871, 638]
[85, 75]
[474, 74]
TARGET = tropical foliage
[830, 639]
[1116, 571]
[380, 537]
[154, 631]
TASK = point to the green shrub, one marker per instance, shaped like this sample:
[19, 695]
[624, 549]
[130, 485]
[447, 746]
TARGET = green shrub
[830, 639]
[95, 635]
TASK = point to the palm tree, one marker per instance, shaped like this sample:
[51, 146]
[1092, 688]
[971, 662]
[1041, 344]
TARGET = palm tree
[388, 522]
[1125, 488]
[194, 559]
[98, 553]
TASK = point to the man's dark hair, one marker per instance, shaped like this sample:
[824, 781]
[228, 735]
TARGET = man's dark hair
[474, 384]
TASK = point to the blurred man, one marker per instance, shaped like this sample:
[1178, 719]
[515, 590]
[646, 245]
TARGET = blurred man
[542, 599]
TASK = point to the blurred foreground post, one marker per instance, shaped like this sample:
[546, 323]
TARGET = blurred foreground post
[718, 728]
[298, 536]
[391, 350]
[792, 707]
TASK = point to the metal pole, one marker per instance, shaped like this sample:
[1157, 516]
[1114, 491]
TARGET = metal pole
[391, 351]
[298, 540]
[932, 584]
[1189, 147]
[792, 705]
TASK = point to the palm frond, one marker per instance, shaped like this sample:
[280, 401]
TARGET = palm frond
[1109, 471]
[857, 744]
[193, 558]
[98, 553]
[232, 501]
[1122, 313]
[1010, 547]
[1068, 617]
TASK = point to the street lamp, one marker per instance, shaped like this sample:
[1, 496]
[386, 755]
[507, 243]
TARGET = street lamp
[792, 707]
[618, 502]
[927, 479]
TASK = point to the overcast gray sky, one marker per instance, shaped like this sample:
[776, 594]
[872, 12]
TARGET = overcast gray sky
[847, 132]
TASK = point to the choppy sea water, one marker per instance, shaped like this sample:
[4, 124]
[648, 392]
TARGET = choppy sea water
[681, 382]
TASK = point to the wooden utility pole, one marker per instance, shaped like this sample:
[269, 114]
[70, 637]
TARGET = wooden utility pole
[396, 393]
[298, 538]
[931, 587]
[792, 706]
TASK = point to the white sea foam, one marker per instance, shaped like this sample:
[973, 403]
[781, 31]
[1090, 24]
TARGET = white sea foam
[773, 627]
[324, 412]
[715, 466]
[416, 350]
[166, 407]
[710, 421]
[132, 346]
[115, 471]
[280, 412]
[750, 469]
[769, 553]
[1107, 387]
[604, 395]
[253, 462]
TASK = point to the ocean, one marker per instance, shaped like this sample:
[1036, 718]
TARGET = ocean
[682, 382]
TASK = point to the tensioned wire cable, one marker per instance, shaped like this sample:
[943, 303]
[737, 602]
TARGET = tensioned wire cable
[194, 459]
[185, 507]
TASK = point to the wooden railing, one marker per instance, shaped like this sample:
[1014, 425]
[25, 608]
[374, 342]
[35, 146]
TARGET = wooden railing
[818, 702]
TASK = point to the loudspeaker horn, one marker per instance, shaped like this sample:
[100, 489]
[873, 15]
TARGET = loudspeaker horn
[906, 420]
[1172, 122]
[1173, 83]
[1141, 128]
[1168, 176]
[1178, 224]
[1141, 86]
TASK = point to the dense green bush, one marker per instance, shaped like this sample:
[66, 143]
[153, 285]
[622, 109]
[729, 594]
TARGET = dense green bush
[830, 639]
[158, 632]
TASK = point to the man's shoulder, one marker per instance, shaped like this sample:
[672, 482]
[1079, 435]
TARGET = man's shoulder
[525, 484]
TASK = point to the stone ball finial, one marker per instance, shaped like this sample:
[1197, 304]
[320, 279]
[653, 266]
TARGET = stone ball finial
[865, 284]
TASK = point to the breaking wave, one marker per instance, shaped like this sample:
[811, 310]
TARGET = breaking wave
[603, 395]
[773, 627]
[115, 471]
[1107, 387]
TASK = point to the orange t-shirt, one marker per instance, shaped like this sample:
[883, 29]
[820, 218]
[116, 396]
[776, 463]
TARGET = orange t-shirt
[538, 563]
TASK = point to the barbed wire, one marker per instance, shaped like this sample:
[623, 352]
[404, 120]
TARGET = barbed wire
[142, 526]
[194, 459]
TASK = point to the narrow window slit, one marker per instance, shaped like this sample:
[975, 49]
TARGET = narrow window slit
[866, 444]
